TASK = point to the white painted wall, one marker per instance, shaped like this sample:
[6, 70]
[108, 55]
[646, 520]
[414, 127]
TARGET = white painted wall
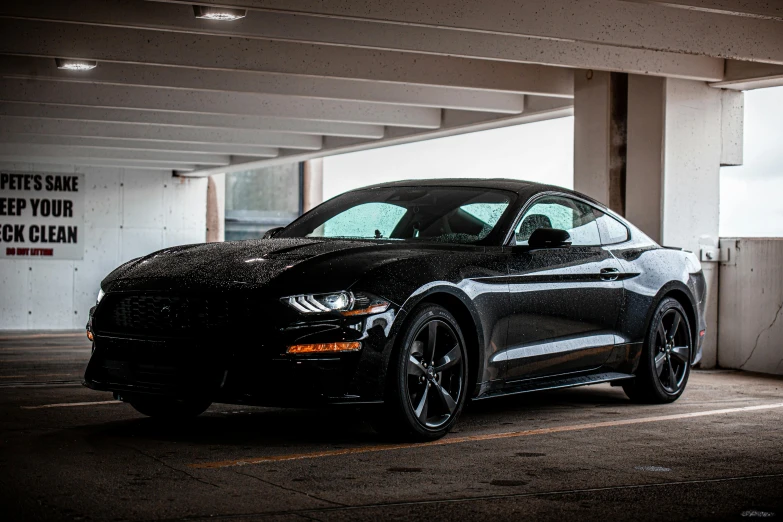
[751, 305]
[128, 213]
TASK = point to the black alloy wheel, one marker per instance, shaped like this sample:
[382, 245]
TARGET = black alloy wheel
[428, 377]
[666, 358]
[435, 373]
[673, 351]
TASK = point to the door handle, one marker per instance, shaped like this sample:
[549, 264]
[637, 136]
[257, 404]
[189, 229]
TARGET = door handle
[610, 274]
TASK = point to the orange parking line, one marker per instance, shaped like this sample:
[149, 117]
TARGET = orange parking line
[46, 347]
[477, 438]
[40, 375]
[41, 336]
[76, 357]
[68, 405]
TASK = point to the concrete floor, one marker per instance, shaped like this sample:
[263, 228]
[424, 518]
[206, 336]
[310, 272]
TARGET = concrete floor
[66, 453]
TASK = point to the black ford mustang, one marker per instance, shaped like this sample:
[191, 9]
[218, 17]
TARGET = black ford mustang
[412, 296]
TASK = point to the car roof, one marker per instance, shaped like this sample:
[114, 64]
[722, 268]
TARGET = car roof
[523, 188]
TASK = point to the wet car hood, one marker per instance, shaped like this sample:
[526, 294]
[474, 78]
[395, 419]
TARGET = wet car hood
[243, 264]
[234, 264]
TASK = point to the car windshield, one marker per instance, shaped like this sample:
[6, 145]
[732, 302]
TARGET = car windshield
[445, 214]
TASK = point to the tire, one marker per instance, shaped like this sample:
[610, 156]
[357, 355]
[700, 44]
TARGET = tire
[169, 409]
[422, 403]
[665, 363]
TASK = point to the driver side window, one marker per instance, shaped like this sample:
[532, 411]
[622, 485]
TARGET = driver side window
[576, 218]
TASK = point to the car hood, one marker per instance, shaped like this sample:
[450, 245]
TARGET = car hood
[223, 266]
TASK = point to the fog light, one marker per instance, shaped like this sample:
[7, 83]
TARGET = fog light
[325, 347]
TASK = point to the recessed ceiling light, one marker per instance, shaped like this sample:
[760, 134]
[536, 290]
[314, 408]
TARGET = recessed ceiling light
[75, 65]
[218, 13]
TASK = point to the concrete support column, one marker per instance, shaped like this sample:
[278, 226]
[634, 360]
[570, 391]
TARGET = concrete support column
[216, 208]
[680, 132]
[645, 156]
[658, 162]
[313, 183]
[691, 183]
[600, 110]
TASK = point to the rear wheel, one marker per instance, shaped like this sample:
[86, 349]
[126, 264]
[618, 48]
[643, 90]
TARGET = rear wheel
[666, 358]
[169, 409]
[427, 377]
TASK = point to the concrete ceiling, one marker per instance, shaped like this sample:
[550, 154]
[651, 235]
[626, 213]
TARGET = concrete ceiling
[297, 79]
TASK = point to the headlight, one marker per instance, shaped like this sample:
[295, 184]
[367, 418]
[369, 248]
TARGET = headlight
[344, 302]
[101, 293]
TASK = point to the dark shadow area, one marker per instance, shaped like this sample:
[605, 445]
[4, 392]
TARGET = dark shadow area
[246, 426]
[255, 427]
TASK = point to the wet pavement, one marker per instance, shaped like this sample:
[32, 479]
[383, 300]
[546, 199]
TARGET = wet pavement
[70, 453]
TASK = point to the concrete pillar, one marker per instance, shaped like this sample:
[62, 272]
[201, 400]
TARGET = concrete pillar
[679, 133]
[732, 127]
[216, 208]
[313, 183]
[644, 175]
[691, 183]
[600, 110]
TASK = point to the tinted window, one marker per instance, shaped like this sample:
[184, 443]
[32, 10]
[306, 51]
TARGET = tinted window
[612, 231]
[447, 214]
[561, 213]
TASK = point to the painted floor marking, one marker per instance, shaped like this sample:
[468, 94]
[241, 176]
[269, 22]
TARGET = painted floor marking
[40, 384]
[69, 405]
[42, 336]
[17, 349]
[75, 357]
[476, 438]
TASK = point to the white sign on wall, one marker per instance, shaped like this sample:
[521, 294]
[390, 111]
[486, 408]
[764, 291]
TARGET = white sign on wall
[41, 216]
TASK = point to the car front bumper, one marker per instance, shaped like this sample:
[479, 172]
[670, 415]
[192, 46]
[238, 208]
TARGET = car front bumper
[251, 367]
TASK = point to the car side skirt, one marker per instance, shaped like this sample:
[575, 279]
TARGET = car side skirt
[555, 383]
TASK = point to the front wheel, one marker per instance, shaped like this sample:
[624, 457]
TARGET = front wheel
[169, 409]
[427, 377]
[666, 357]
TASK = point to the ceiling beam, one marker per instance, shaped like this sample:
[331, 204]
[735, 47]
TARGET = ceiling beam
[764, 9]
[374, 35]
[266, 83]
[742, 76]
[15, 125]
[64, 152]
[186, 119]
[605, 22]
[140, 145]
[50, 39]
[96, 162]
[536, 110]
[208, 102]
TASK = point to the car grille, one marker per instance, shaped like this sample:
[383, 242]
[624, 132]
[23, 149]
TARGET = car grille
[150, 314]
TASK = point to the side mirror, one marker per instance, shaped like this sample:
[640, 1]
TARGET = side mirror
[549, 238]
[272, 232]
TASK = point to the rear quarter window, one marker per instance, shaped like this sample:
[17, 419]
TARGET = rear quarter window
[612, 231]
